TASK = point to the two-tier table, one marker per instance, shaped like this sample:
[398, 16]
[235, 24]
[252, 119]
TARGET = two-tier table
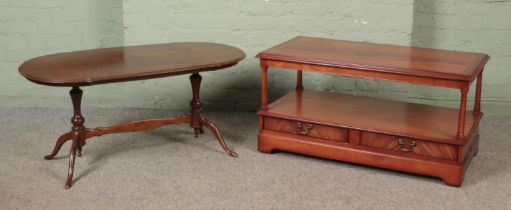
[409, 137]
[120, 64]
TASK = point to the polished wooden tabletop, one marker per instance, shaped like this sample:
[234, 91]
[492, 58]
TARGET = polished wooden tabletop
[107, 65]
[423, 62]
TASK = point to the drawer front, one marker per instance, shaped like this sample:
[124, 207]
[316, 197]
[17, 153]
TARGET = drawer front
[400, 144]
[306, 129]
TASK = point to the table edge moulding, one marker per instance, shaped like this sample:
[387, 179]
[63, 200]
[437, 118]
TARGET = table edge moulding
[409, 137]
[129, 63]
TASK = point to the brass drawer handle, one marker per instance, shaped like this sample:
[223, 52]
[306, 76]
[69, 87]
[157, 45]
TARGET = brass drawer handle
[405, 148]
[302, 130]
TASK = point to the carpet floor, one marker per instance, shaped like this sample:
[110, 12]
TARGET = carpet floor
[167, 168]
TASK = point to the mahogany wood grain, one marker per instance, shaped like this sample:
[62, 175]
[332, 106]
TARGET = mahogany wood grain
[264, 86]
[77, 133]
[354, 137]
[218, 135]
[317, 131]
[92, 67]
[71, 166]
[125, 127]
[471, 152]
[195, 104]
[135, 126]
[472, 142]
[377, 115]
[422, 62]
[368, 74]
[433, 141]
[424, 148]
[462, 114]
[477, 102]
[299, 77]
[60, 141]
[107, 65]
[449, 171]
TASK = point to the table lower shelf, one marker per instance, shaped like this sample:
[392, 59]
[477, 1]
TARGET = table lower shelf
[370, 114]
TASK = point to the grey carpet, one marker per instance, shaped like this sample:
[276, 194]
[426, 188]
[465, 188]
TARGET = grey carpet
[167, 168]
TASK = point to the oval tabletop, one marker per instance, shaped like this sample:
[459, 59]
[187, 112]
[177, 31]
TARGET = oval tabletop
[118, 64]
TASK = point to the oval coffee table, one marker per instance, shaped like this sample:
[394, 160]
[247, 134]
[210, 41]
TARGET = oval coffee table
[120, 64]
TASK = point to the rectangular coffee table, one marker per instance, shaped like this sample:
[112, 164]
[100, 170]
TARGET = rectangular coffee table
[119, 64]
[409, 137]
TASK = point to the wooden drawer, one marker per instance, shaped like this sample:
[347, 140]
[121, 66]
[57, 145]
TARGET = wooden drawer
[306, 129]
[400, 144]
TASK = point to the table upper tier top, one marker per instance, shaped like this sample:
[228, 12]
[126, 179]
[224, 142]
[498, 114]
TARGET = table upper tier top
[107, 65]
[442, 64]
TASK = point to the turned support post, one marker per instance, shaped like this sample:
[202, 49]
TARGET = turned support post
[477, 103]
[197, 120]
[463, 110]
[299, 80]
[195, 104]
[264, 86]
[77, 132]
